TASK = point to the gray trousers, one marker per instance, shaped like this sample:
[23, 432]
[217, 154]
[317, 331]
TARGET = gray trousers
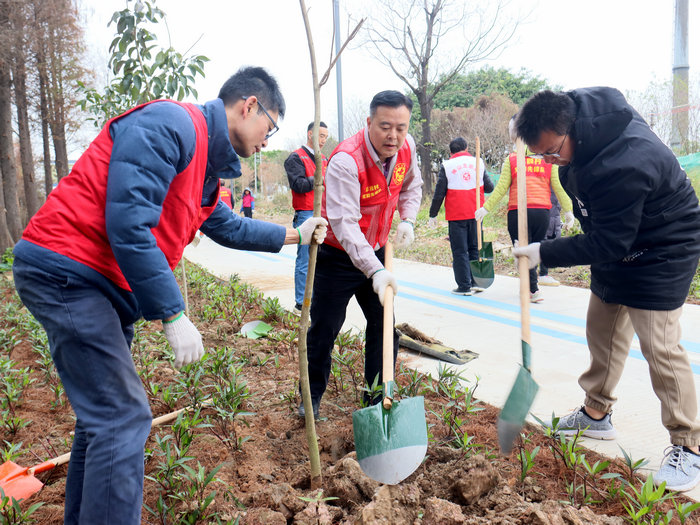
[609, 331]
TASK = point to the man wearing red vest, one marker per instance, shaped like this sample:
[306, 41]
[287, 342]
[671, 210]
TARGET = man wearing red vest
[456, 185]
[301, 167]
[369, 175]
[225, 195]
[99, 255]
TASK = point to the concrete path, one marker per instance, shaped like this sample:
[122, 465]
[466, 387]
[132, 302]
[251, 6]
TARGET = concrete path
[489, 324]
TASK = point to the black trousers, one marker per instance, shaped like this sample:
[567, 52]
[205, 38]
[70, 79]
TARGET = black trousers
[465, 248]
[537, 223]
[335, 282]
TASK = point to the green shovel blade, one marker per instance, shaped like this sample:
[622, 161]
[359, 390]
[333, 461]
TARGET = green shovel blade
[391, 444]
[516, 409]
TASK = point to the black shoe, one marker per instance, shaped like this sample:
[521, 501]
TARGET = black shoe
[314, 403]
[462, 291]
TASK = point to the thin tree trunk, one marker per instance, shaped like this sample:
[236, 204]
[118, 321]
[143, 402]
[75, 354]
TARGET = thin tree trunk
[7, 156]
[424, 148]
[44, 111]
[57, 119]
[25, 143]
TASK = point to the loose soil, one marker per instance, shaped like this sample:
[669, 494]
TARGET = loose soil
[267, 479]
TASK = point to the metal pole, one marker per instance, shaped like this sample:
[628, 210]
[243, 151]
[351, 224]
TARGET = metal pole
[679, 112]
[255, 171]
[338, 72]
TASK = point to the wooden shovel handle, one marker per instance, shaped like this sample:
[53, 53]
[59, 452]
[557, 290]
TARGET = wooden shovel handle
[388, 328]
[523, 262]
[478, 191]
[65, 458]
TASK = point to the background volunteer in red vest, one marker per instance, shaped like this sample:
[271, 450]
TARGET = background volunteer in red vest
[225, 195]
[99, 255]
[301, 167]
[369, 176]
[456, 185]
[541, 179]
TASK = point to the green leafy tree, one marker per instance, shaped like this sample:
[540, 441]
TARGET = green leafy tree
[464, 90]
[142, 69]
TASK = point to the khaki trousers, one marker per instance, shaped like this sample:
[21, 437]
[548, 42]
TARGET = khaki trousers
[609, 331]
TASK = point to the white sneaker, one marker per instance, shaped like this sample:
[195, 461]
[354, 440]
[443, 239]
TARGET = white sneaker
[680, 469]
[536, 297]
[547, 280]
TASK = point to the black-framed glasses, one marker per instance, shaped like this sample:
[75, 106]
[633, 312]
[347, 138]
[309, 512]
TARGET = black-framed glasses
[275, 127]
[554, 155]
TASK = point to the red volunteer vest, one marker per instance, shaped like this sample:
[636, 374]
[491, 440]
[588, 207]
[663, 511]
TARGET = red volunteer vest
[305, 201]
[377, 199]
[225, 195]
[460, 199]
[72, 221]
[538, 175]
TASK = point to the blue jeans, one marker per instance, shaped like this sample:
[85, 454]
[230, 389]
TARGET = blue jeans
[90, 347]
[302, 263]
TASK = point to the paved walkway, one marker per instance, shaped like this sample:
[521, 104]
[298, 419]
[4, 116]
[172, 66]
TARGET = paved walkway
[489, 324]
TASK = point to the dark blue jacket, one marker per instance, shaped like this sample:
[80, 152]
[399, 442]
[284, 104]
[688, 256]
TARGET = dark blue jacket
[151, 146]
[637, 208]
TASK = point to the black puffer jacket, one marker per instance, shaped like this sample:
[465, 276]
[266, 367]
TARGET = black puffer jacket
[638, 210]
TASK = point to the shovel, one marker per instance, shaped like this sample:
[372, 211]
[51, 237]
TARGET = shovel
[482, 268]
[522, 395]
[391, 438]
[20, 482]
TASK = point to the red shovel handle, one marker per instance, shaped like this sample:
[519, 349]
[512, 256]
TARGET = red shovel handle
[48, 465]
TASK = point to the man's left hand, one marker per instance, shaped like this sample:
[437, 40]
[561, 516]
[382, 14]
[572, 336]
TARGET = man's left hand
[531, 251]
[404, 234]
[568, 220]
[315, 227]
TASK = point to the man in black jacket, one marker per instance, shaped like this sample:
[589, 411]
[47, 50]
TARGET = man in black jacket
[641, 236]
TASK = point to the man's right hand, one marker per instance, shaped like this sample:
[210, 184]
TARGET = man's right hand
[380, 280]
[184, 339]
[432, 222]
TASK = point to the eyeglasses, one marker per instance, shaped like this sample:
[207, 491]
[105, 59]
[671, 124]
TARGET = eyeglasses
[554, 155]
[275, 127]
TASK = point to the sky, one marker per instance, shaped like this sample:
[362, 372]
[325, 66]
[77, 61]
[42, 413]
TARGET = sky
[572, 43]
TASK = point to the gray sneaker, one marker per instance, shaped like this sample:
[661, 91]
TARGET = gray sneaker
[680, 469]
[579, 421]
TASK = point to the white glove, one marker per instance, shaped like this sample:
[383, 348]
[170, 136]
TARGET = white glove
[432, 222]
[380, 280]
[404, 234]
[184, 339]
[318, 226]
[568, 219]
[480, 213]
[531, 251]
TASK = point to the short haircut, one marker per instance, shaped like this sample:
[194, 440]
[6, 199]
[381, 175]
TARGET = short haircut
[457, 145]
[390, 98]
[254, 81]
[545, 111]
[320, 125]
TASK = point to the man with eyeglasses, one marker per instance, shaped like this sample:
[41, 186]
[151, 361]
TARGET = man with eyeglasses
[369, 176]
[641, 235]
[542, 179]
[100, 254]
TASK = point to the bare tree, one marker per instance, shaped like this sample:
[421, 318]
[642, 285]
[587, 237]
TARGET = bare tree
[10, 209]
[427, 42]
[19, 17]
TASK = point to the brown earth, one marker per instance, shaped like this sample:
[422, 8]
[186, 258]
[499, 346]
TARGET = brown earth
[266, 480]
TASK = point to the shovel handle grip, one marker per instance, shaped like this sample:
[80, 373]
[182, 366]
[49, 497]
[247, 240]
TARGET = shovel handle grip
[478, 191]
[388, 327]
[523, 236]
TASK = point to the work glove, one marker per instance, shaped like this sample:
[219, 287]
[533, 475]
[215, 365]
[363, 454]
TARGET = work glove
[313, 226]
[404, 234]
[432, 222]
[568, 219]
[380, 280]
[531, 251]
[480, 214]
[184, 339]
